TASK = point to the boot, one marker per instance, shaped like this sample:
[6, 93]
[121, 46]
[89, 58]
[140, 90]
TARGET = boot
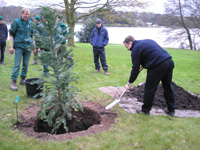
[96, 71]
[13, 85]
[106, 72]
[22, 80]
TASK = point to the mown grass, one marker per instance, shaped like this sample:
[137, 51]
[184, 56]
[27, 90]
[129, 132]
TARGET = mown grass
[131, 131]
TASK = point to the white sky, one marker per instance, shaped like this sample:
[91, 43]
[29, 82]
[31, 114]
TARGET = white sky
[155, 7]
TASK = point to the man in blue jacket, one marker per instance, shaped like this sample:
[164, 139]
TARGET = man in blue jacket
[21, 32]
[159, 63]
[99, 39]
[3, 38]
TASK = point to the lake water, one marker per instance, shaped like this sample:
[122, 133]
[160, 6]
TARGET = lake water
[118, 34]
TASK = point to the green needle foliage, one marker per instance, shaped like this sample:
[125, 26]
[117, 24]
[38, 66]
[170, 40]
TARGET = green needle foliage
[84, 34]
[59, 96]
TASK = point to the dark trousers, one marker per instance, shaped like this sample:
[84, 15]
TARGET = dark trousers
[100, 53]
[162, 72]
[2, 46]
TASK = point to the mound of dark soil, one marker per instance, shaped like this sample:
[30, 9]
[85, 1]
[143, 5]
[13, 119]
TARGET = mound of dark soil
[184, 100]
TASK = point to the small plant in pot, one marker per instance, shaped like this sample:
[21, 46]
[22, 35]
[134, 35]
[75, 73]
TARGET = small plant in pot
[59, 96]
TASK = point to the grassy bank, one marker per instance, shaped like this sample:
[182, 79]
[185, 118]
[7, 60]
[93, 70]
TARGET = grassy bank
[131, 131]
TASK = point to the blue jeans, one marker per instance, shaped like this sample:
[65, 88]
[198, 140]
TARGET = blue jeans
[24, 56]
[162, 72]
[2, 47]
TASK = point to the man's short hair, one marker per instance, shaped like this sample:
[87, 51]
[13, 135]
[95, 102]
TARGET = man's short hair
[129, 39]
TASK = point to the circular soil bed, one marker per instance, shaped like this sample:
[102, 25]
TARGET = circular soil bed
[96, 119]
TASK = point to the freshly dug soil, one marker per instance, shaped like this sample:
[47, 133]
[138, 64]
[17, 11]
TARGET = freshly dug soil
[80, 121]
[97, 119]
[183, 99]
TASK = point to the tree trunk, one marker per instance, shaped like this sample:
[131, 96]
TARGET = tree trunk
[189, 38]
[71, 20]
[185, 26]
[71, 39]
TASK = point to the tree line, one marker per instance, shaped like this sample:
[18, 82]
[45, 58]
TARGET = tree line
[111, 17]
[180, 15]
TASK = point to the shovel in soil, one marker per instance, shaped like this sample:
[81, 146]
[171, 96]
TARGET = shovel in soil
[116, 101]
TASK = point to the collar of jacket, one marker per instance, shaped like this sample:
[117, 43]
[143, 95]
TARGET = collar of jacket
[24, 21]
[133, 45]
[99, 28]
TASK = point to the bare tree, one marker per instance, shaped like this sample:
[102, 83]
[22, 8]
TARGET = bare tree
[183, 15]
[3, 3]
[90, 7]
[75, 10]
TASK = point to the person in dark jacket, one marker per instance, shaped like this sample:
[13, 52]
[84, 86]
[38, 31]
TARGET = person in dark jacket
[21, 32]
[3, 38]
[148, 54]
[99, 39]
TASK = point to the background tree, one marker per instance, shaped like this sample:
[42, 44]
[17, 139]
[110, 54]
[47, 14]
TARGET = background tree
[183, 15]
[90, 7]
[84, 34]
[84, 8]
[2, 3]
[10, 13]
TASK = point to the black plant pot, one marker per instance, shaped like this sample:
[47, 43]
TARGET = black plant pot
[33, 88]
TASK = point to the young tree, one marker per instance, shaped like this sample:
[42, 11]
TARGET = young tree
[59, 95]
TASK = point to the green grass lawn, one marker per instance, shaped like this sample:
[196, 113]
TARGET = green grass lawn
[131, 131]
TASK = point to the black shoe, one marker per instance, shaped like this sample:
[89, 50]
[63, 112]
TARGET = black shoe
[139, 111]
[171, 113]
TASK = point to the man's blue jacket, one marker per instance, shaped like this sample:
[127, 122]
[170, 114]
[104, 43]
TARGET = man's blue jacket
[99, 37]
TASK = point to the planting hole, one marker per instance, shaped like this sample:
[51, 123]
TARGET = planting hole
[82, 121]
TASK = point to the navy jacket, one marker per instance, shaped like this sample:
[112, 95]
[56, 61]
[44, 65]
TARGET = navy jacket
[3, 32]
[148, 54]
[99, 38]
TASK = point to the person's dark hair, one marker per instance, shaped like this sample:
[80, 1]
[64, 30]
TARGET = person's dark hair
[129, 39]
